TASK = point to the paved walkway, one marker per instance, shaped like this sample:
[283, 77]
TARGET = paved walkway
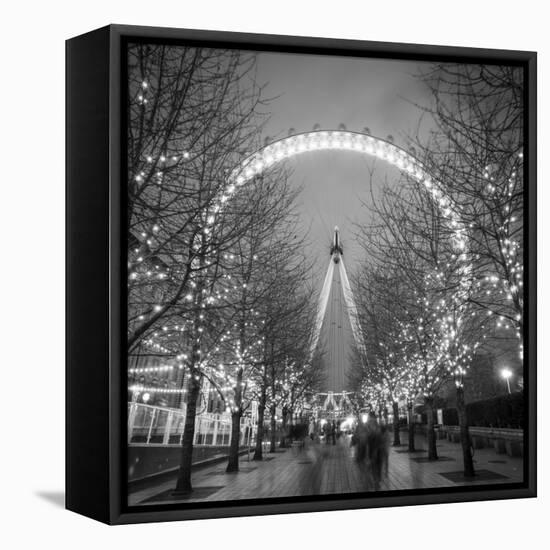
[326, 469]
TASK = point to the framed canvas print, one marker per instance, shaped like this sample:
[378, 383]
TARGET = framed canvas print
[300, 274]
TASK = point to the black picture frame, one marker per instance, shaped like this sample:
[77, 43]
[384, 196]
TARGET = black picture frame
[96, 265]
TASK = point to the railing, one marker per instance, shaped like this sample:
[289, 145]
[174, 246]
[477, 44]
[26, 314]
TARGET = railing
[490, 433]
[150, 425]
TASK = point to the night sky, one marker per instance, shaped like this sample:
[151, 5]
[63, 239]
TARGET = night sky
[329, 90]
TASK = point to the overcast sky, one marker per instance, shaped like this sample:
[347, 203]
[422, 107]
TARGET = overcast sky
[329, 90]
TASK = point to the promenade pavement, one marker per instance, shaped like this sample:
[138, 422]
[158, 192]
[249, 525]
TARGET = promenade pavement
[328, 469]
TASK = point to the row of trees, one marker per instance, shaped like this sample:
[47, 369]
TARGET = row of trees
[217, 278]
[443, 274]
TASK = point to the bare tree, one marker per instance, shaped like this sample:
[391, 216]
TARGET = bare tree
[192, 114]
[383, 365]
[414, 238]
[286, 372]
[264, 264]
[476, 152]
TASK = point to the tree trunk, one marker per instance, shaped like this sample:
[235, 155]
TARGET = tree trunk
[258, 452]
[464, 434]
[183, 484]
[411, 428]
[283, 439]
[396, 438]
[233, 462]
[273, 430]
[430, 435]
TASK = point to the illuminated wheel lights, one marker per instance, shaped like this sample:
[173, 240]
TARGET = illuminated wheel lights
[320, 140]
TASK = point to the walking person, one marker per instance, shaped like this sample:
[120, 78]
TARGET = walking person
[377, 451]
[328, 433]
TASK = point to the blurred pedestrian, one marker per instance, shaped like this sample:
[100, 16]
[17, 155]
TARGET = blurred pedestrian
[359, 440]
[377, 450]
[328, 432]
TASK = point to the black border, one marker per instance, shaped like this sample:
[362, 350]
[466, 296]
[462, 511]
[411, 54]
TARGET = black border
[118, 37]
[87, 451]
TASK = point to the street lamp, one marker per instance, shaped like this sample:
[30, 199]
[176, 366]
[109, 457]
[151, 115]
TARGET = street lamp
[507, 374]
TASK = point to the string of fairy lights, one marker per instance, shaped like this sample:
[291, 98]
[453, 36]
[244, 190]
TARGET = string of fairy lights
[236, 353]
[230, 352]
[444, 351]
